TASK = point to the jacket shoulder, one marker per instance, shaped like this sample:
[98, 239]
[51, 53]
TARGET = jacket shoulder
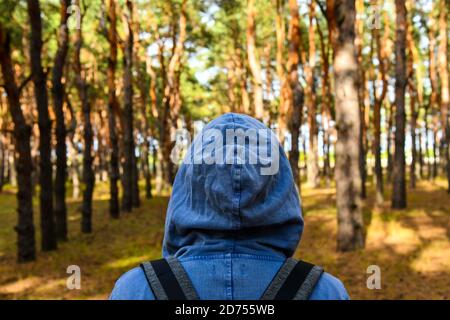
[132, 285]
[329, 288]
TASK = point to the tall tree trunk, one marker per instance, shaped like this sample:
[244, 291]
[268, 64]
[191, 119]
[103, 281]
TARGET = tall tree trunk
[171, 101]
[295, 90]
[433, 101]
[341, 18]
[26, 245]
[427, 142]
[129, 173]
[281, 74]
[389, 138]
[113, 110]
[412, 106]
[383, 57]
[326, 108]
[414, 113]
[253, 61]
[88, 172]
[313, 154]
[48, 232]
[399, 181]
[444, 76]
[58, 103]
[359, 6]
[421, 138]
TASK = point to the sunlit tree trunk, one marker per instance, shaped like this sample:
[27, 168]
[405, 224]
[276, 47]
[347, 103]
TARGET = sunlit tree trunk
[253, 61]
[326, 101]
[26, 245]
[433, 101]
[341, 19]
[444, 76]
[48, 231]
[171, 102]
[294, 113]
[421, 138]
[310, 95]
[389, 137]
[399, 180]
[412, 91]
[359, 39]
[382, 56]
[280, 69]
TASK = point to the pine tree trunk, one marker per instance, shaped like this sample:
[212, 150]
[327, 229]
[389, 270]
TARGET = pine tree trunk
[413, 124]
[313, 154]
[113, 110]
[399, 180]
[295, 97]
[281, 74]
[48, 231]
[420, 151]
[26, 245]
[128, 140]
[255, 65]
[382, 56]
[58, 102]
[88, 172]
[361, 93]
[326, 109]
[341, 18]
[445, 91]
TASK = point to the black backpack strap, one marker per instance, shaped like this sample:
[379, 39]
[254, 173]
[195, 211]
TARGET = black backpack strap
[295, 280]
[168, 280]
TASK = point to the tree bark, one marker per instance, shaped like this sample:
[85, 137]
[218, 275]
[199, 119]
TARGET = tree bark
[399, 181]
[295, 97]
[26, 244]
[88, 172]
[281, 73]
[412, 106]
[359, 5]
[383, 57]
[58, 103]
[310, 94]
[113, 110]
[341, 18]
[444, 76]
[326, 101]
[433, 101]
[129, 173]
[48, 231]
[171, 102]
[253, 61]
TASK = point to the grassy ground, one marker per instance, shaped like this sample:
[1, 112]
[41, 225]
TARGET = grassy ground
[412, 247]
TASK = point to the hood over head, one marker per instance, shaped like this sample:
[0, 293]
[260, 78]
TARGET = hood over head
[223, 201]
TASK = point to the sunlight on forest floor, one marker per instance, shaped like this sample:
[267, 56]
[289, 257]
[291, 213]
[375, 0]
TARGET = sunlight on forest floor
[411, 247]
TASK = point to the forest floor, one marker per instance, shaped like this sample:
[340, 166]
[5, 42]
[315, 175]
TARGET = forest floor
[411, 247]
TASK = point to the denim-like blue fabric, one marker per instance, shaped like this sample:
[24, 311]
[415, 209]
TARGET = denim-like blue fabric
[230, 226]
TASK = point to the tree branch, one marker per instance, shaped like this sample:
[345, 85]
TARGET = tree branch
[25, 82]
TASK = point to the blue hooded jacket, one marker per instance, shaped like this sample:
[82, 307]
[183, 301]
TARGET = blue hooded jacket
[230, 226]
